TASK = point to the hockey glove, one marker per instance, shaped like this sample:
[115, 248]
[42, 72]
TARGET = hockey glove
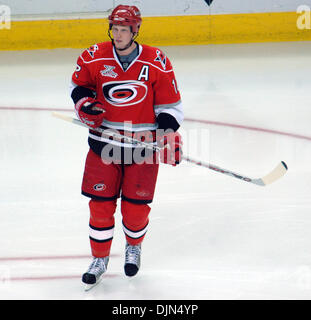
[90, 111]
[171, 144]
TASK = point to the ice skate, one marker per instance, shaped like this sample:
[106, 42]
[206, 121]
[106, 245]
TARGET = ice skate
[95, 272]
[132, 259]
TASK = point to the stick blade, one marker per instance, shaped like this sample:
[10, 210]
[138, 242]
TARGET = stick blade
[277, 173]
[61, 116]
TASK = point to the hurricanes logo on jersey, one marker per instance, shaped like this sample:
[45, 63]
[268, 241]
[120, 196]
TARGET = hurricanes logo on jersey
[124, 93]
[99, 187]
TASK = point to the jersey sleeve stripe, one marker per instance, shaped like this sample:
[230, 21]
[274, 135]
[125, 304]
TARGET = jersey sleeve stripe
[72, 86]
[168, 105]
[174, 109]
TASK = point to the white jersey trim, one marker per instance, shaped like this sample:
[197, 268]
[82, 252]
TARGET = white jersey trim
[174, 109]
[128, 126]
[84, 61]
[147, 62]
[115, 57]
[72, 86]
[140, 49]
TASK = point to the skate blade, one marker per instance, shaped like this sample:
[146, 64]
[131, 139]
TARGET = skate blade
[88, 287]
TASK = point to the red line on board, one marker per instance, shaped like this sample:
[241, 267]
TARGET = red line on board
[215, 123]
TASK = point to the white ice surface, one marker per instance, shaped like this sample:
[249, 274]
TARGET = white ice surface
[210, 236]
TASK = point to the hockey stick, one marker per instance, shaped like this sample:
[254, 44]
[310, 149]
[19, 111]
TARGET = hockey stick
[274, 175]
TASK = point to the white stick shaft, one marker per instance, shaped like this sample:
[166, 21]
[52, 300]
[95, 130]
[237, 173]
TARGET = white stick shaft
[274, 175]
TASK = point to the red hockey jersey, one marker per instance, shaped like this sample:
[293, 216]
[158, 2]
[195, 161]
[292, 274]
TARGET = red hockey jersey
[132, 98]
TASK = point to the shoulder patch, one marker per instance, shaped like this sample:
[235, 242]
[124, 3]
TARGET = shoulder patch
[156, 58]
[92, 49]
[161, 58]
[96, 51]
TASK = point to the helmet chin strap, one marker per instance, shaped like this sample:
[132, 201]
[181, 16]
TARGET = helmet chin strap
[127, 46]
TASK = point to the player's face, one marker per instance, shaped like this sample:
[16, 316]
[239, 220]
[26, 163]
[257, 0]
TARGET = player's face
[122, 36]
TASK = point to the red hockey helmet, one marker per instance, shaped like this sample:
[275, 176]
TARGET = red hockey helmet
[126, 16]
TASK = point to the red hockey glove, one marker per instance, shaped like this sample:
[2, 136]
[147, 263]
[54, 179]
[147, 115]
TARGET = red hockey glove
[90, 112]
[171, 144]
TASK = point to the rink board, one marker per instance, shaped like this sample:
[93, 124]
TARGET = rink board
[157, 31]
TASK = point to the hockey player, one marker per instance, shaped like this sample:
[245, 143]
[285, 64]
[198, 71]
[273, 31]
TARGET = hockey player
[125, 86]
